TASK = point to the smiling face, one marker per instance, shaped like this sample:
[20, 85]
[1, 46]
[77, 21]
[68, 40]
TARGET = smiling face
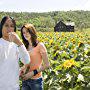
[26, 34]
[29, 35]
[7, 28]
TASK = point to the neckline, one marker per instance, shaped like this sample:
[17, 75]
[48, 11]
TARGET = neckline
[30, 50]
[5, 41]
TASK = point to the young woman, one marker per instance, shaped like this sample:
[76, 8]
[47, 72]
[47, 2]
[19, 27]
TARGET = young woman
[39, 59]
[11, 49]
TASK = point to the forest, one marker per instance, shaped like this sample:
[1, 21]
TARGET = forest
[46, 21]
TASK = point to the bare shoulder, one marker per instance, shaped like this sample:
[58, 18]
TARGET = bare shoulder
[41, 44]
[42, 47]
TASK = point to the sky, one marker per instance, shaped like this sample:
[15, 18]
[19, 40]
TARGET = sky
[43, 5]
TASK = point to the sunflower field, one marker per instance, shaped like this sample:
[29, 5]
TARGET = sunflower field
[69, 56]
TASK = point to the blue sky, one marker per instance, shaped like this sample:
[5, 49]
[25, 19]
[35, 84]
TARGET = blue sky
[43, 5]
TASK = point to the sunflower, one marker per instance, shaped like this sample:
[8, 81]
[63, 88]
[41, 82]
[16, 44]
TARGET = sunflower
[68, 63]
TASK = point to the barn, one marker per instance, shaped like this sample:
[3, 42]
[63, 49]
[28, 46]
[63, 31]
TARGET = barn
[64, 27]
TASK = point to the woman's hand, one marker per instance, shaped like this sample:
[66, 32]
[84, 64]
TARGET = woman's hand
[27, 76]
[13, 37]
[22, 71]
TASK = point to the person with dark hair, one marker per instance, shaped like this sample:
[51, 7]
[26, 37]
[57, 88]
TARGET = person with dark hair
[32, 80]
[11, 50]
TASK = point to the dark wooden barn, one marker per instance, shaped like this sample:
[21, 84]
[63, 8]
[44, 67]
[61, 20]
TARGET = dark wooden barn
[64, 27]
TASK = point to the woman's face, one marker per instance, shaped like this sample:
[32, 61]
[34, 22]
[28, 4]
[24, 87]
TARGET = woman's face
[26, 34]
[7, 28]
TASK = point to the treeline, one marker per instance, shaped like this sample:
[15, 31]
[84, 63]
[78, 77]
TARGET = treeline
[47, 21]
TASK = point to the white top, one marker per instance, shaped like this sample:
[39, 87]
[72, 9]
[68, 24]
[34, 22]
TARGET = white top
[9, 64]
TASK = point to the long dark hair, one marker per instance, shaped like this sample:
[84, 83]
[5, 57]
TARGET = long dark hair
[32, 31]
[3, 22]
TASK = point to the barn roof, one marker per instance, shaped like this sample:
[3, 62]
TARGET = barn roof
[70, 23]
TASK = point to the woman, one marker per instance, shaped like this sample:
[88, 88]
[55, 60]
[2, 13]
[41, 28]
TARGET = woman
[32, 80]
[11, 49]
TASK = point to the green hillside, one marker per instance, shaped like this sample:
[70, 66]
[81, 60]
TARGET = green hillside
[47, 21]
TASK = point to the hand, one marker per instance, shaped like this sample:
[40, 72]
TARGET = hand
[13, 37]
[22, 71]
[27, 76]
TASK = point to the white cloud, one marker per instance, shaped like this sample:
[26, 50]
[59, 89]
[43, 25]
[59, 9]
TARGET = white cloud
[1, 2]
[87, 5]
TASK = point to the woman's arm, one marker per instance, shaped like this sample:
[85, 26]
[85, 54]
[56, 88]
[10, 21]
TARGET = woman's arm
[44, 55]
[25, 58]
[22, 50]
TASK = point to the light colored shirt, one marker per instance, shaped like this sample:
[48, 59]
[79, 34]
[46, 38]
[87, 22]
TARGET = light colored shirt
[9, 64]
